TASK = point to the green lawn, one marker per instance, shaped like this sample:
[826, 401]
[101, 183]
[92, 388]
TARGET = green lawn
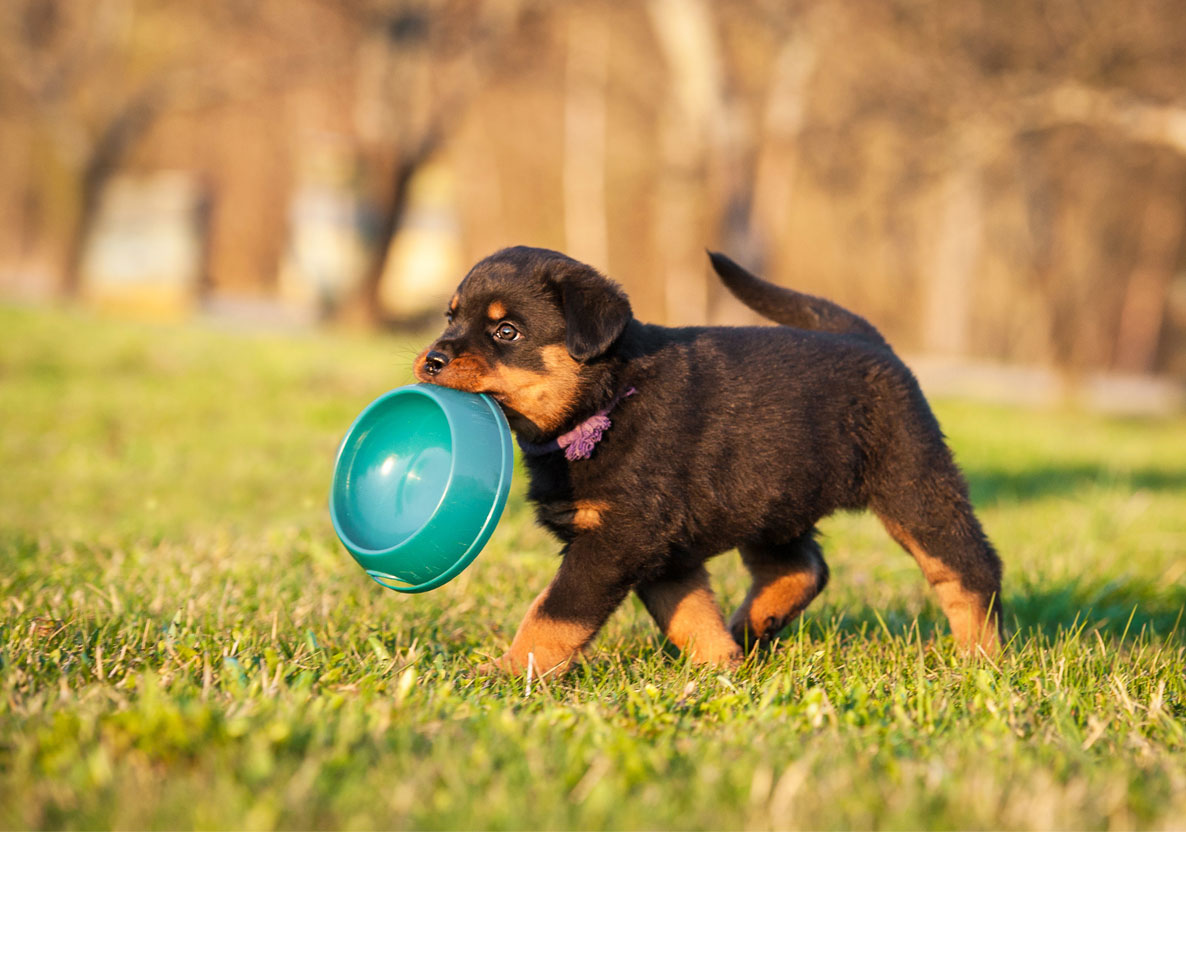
[184, 643]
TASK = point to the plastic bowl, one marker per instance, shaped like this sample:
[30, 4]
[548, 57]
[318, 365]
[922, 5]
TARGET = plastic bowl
[419, 484]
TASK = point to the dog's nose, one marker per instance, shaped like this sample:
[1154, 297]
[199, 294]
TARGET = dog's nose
[434, 360]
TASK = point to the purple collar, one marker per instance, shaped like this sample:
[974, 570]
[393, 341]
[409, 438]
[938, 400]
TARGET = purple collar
[581, 440]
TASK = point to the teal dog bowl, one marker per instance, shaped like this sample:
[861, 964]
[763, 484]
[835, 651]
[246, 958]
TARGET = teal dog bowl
[420, 481]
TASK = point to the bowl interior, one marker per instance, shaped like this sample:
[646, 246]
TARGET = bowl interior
[393, 472]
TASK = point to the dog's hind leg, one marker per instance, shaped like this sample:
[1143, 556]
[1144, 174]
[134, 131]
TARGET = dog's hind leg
[686, 611]
[785, 579]
[921, 497]
[961, 566]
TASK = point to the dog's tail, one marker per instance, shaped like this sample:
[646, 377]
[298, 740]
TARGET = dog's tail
[788, 307]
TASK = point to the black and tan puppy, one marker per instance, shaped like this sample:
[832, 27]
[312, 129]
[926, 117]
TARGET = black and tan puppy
[652, 449]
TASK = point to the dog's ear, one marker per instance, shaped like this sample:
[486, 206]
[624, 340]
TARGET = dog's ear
[595, 309]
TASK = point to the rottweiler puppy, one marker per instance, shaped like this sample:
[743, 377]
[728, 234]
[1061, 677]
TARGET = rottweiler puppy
[651, 449]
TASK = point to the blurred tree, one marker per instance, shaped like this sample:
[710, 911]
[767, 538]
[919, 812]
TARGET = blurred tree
[1049, 90]
[586, 109]
[983, 177]
[95, 76]
[419, 63]
[737, 73]
[69, 66]
[692, 133]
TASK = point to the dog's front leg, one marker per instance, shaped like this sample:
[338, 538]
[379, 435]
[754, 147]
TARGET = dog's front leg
[592, 581]
[686, 611]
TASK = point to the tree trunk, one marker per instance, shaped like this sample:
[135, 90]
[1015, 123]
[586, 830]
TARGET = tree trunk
[1143, 311]
[363, 308]
[952, 277]
[586, 232]
[107, 155]
[782, 126]
[689, 40]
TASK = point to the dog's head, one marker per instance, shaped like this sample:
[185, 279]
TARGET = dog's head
[532, 328]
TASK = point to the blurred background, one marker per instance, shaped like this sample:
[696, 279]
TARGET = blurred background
[1000, 185]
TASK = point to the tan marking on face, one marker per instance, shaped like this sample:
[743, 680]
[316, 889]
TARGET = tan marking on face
[497, 310]
[546, 399]
[973, 624]
[455, 302]
[464, 373]
[687, 613]
[554, 643]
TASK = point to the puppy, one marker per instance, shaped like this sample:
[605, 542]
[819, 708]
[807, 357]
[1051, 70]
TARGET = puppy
[652, 449]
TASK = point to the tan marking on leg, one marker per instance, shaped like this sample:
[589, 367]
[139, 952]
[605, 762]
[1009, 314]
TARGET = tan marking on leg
[972, 623]
[773, 602]
[687, 613]
[555, 643]
[497, 310]
[780, 591]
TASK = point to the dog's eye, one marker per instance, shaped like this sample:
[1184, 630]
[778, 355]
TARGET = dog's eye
[505, 331]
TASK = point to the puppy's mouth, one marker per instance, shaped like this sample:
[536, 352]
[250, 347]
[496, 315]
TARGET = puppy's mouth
[527, 398]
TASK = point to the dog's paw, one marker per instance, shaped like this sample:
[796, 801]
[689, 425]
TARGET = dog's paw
[743, 636]
[498, 667]
[508, 664]
[720, 659]
[484, 670]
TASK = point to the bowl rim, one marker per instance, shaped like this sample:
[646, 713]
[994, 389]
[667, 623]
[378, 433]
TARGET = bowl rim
[429, 391]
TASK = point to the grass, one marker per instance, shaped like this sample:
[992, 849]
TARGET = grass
[185, 645]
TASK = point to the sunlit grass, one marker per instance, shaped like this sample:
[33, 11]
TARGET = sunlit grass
[184, 643]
